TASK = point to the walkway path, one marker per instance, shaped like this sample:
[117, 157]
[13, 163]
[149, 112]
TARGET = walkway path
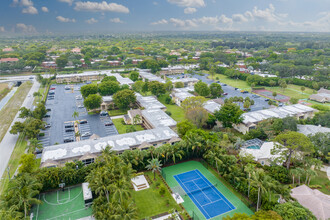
[4, 101]
[8, 143]
[118, 116]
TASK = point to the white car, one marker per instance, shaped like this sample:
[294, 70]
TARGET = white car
[87, 134]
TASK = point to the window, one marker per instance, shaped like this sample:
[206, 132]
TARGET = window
[154, 145]
[262, 162]
[88, 161]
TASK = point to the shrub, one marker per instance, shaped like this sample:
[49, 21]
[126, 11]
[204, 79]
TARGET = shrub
[168, 112]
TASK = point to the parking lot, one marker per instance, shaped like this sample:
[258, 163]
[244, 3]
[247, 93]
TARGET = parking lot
[259, 102]
[62, 102]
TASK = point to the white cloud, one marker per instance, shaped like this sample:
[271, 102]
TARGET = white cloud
[225, 20]
[44, 9]
[183, 23]
[67, 1]
[239, 18]
[208, 20]
[189, 10]
[100, 7]
[91, 21]
[155, 3]
[188, 3]
[27, 6]
[65, 20]
[25, 28]
[116, 20]
[2, 29]
[163, 21]
[30, 10]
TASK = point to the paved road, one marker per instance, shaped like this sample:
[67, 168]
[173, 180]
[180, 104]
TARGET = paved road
[8, 143]
[4, 101]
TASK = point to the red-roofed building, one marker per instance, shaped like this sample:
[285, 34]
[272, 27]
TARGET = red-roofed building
[76, 50]
[8, 49]
[8, 60]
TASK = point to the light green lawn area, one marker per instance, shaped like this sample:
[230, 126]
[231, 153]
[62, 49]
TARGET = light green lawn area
[121, 128]
[322, 180]
[117, 112]
[291, 90]
[13, 163]
[177, 111]
[149, 202]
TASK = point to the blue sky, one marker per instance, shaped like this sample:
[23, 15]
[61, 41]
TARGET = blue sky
[105, 16]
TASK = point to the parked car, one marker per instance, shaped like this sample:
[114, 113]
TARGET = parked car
[236, 88]
[52, 88]
[47, 126]
[67, 140]
[87, 134]
[69, 130]
[80, 106]
[48, 109]
[255, 96]
[83, 122]
[280, 104]
[103, 113]
[244, 91]
[225, 93]
[47, 116]
[266, 100]
[224, 84]
[108, 123]
[68, 126]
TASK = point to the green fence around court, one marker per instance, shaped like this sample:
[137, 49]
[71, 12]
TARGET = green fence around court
[169, 172]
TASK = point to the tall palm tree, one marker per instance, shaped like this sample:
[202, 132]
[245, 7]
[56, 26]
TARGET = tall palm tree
[249, 168]
[294, 173]
[127, 210]
[300, 172]
[22, 192]
[75, 115]
[258, 183]
[309, 175]
[154, 165]
[35, 144]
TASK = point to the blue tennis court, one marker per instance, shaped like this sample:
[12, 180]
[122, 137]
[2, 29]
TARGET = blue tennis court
[206, 196]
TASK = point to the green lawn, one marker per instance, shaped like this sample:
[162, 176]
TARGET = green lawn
[291, 90]
[121, 128]
[177, 111]
[117, 112]
[322, 180]
[13, 163]
[150, 203]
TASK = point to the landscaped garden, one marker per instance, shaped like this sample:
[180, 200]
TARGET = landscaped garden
[123, 128]
[155, 200]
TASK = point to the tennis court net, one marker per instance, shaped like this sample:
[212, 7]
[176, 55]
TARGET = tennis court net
[202, 189]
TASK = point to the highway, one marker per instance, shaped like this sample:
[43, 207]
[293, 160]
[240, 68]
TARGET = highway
[8, 143]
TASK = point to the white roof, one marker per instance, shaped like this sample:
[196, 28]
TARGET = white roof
[118, 142]
[211, 106]
[182, 95]
[185, 80]
[158, 118]
[149, 102]
[311, 129]
[120, 79]
[151, 77]
[185, 89]
[87, 191]
[107, 98]
[279, 112]
[263, 153]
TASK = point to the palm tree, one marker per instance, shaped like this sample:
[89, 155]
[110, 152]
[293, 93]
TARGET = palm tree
[294, 172]
[127, 210]
[136, 119]
[300, 172]
[35, 144]
[22, 192]
[258, 183]
[75, 115]
[249, 169]
[154, 165]
[309, 175]
[239, 143]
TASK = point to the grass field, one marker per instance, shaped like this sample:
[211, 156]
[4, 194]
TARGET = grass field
[121, 128]
[188, 203]
[322, 180]
[150, 203]
[177, 111]
[7, 114]
[13, 163]
[117, 112]
[4, 90]
[291, 91]
[62, 205]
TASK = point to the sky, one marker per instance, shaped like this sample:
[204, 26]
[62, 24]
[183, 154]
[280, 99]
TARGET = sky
[110, 16]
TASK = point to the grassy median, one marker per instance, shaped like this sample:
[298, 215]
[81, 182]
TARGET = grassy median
[7, 114]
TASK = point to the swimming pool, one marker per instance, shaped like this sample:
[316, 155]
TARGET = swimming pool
[253, 147]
